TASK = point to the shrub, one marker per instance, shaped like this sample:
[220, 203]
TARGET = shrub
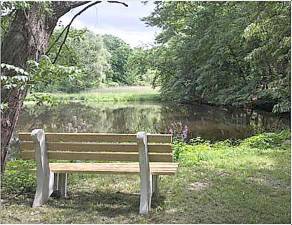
[200, 150]
[18, 177]
[266, 140]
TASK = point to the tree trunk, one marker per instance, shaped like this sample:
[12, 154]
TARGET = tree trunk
[27, 39]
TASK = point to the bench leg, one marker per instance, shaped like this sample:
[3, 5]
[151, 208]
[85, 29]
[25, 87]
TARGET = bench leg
[145, 176]
[56, 180]
[63, 184]
[45, 178]
[149, 189]
[154, 184]
[60, 185]
[44, 189]
[145, 195]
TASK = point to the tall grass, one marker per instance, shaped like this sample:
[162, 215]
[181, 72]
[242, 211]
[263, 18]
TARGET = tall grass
[117, 94]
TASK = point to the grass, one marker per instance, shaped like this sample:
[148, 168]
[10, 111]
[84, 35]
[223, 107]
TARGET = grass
[116, 94]
[223, 182]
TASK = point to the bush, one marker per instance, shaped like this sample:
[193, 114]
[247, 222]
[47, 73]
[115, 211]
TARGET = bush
[266, 140]
[19, 177]
[200, 150]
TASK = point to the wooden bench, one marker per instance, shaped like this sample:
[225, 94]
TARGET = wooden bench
[148, 155]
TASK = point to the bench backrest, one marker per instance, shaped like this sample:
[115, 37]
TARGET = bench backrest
[98, 146]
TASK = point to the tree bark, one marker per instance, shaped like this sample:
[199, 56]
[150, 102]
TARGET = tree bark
[27, 39]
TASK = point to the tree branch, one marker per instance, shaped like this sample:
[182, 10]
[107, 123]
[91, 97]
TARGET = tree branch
[126, 5]
[67, 28]
[62, 7]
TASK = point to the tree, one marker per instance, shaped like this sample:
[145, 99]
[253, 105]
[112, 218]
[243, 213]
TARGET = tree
[139, 69]
[119, 53]
[27, 39]
[83, 50]
[224, 53]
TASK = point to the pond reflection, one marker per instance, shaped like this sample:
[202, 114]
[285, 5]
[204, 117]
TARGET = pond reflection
[184, 121]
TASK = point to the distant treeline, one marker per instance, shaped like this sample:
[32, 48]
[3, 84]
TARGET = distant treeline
[96, 60]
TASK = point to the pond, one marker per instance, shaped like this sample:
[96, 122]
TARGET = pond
[185, 121]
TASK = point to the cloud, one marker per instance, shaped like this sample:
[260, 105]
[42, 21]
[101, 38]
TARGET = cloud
[117, 20]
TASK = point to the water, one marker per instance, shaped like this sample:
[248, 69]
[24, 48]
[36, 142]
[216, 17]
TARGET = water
[184, 121]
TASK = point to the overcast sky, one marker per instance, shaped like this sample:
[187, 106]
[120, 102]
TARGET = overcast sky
[118, 20]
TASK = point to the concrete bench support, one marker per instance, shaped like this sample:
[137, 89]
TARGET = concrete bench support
[145, 177]
[45, 178]
[154, 183]
[60, 184]
[63, 184]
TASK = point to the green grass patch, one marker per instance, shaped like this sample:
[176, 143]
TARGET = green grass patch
[118, 94]
[223, 182]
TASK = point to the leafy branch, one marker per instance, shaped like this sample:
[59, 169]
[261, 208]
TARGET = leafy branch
[67, 28]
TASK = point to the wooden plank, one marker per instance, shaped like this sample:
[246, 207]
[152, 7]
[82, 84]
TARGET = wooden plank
[109, 156]
[96, 147]
[116, 165]
[113, 168]
[98, 137]
[27, 146]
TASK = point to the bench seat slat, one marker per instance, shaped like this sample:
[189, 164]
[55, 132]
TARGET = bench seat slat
[111, 156]
[113, 168]
[98, 137]
[96, 147]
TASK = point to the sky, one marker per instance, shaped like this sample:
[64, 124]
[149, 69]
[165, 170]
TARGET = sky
[118, 20]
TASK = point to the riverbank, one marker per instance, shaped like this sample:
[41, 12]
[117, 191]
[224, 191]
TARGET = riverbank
[125, 94]
[115, 94]
[226, 182]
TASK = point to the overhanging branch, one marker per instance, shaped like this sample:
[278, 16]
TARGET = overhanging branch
[67, 28]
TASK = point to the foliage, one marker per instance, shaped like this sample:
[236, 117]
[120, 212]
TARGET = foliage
[8, 9]
[7, 13]
[37, 76]
[19, 79]
[119, 53]
[224, 52]
[97, 95]
[84, 58]
[91, 61]
[45, 73]
[19, 177]
[198, 152]
[139, 69]
[267, 140]
[43, 98]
